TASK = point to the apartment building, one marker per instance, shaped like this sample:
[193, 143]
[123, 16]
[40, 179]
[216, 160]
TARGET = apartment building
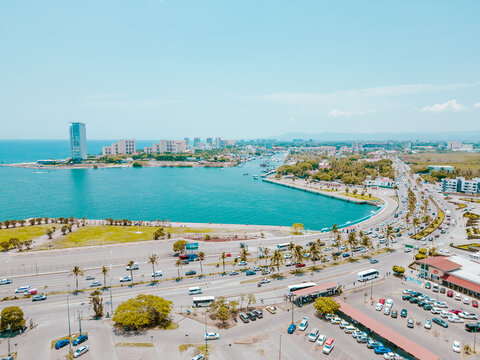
[461, 185]
[122, 147]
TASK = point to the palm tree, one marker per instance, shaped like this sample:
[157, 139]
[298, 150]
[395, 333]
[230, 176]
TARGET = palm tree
[243, 256]
[130, 266]
[352, 241]
[223, 257]
[334, 230]
[276, 259]
[178, 264]
[266, 251]
[153, 259]
[389, 234]
[77, 271]
[315, 252]
[201, 257]
[104, 272]
[298, 252]
[416, 222]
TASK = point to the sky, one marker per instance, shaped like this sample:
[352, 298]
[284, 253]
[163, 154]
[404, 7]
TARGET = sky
[150, 69]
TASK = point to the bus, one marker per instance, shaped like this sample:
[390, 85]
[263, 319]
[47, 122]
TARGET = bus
[305, 285]
[194, 290]
[367, 275]
[283, 247]
[203, 301]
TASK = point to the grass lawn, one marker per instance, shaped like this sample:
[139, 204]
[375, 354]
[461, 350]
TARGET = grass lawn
[98, 235]
[367, 197]
[25, 232]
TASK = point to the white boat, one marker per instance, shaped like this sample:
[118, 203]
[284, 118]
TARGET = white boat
[255, 177]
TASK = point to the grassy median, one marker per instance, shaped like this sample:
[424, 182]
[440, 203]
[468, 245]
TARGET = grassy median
[25, 232]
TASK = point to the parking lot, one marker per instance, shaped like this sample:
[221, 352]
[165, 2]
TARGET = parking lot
[437, 339]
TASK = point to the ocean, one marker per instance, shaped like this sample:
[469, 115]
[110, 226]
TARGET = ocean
[178, 194]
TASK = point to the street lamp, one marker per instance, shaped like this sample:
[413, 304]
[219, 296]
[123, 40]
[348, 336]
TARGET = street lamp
[206, 344]
[69, 331]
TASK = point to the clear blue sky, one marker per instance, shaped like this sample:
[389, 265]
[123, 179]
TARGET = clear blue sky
[150, 69]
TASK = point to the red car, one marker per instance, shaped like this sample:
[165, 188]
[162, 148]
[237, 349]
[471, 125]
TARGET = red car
[475, 303]
[456, 311]
[450, 293]
[228, 255]
[299, 265]
[183, 256]
[381, 301]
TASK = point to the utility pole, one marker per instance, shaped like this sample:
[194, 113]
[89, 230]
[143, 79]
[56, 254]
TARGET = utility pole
[80, 321]
[280, 349]
[111, 299]
[69, 331]
[292, 309]
[206, 341]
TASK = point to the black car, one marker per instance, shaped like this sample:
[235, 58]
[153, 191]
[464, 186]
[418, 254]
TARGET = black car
[427, 307]
[258, 313]
[394, 314]
[251, 316]
[414, 301]
[440, 322]
[422, 303]
[428, 285]
[406, 297]
[472, 327]
[442, 290]
[244, 317]
[403, 313]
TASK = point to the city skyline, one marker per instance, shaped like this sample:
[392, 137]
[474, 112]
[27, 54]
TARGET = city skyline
[204, 70]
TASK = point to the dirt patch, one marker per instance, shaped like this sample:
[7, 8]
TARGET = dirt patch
[249, 340]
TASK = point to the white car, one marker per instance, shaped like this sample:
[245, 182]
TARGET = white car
[436, 310]
[157, 274]
[343, 323]
[445, 314]
[379, 307]
[427, 324]
[212, 336]
[441, 304]
[304, 324]
[95, 283]
[407, 291]
[80, 351]
[466, 300]
[313, 335]
[455, 319]
[456, 346]
[336, 320]
[5, 281]
[321, 340]
[389, 303]
[466, 315]
[125, 279]
[199, 357]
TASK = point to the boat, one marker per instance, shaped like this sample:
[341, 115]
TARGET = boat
[245, 174]
[255, 177]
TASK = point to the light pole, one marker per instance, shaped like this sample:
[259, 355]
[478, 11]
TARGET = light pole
[80, 321]
[69, 331]
[280, 349]
[111, 299]
[206, 344]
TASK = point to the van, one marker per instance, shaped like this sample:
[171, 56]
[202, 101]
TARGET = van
[329, 344]
[194, 290]
[22, 289]
[313, 335]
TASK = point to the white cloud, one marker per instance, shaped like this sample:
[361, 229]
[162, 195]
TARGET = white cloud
[395, 90]
[477, 105]
[451, 105]
[338, 113]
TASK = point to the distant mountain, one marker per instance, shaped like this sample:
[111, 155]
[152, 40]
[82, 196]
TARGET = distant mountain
[468, 136]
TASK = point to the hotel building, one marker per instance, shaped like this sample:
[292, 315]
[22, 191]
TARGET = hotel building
[78, 141]
[122, 147]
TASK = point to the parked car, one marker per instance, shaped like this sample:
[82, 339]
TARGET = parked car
[61, 343]
[80, 351]
[475, 303]
[244, 317]
[410, 323]
[271, 309]
[403, 313]
[336, 320]
[472, 327]
[456, 346]
[362, 339]
[394, 314]
[455, 319]
[303, 324]
[321, 340]
[379, 307]
[251, 316]
[466, 315]
[427, 324]
[39, 298]
[381, 350]
[292, 328]
[258, 314]
[80, 339]
[212, 336]
[313, 335]
[440, 322]
[373, 344]
[450, 293]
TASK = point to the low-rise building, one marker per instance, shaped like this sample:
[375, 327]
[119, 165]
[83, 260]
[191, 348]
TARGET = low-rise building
[381, 182]
[461, 185]
[456, 272]
[122, 147]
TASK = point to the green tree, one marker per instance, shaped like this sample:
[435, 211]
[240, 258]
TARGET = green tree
[12, 318]
[178, 264]
[276, 260]
[153, 260]
[179, 246]
[416, 222]
[5, 245]
[14, 242]
[297, 228]
[97, 303]
[315, 252]
[223, 313]
[389, 234]
[266, 252]
[298, 252]
[326, 305]
[251, 300]
[49, 233]
[143, 311]
[159, 233]
[244, 255]
[352, 241]
[398, 269]
[77, 271]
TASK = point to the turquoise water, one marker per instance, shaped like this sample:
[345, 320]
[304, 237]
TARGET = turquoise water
[177, 194]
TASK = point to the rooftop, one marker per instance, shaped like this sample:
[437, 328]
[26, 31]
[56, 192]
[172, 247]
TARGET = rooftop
[441, 263]
[316, 289]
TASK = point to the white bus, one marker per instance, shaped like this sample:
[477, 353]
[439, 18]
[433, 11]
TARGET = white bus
[283, 247]
[194, 290]
[203, 301]
[305, 285]
[367, 275]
